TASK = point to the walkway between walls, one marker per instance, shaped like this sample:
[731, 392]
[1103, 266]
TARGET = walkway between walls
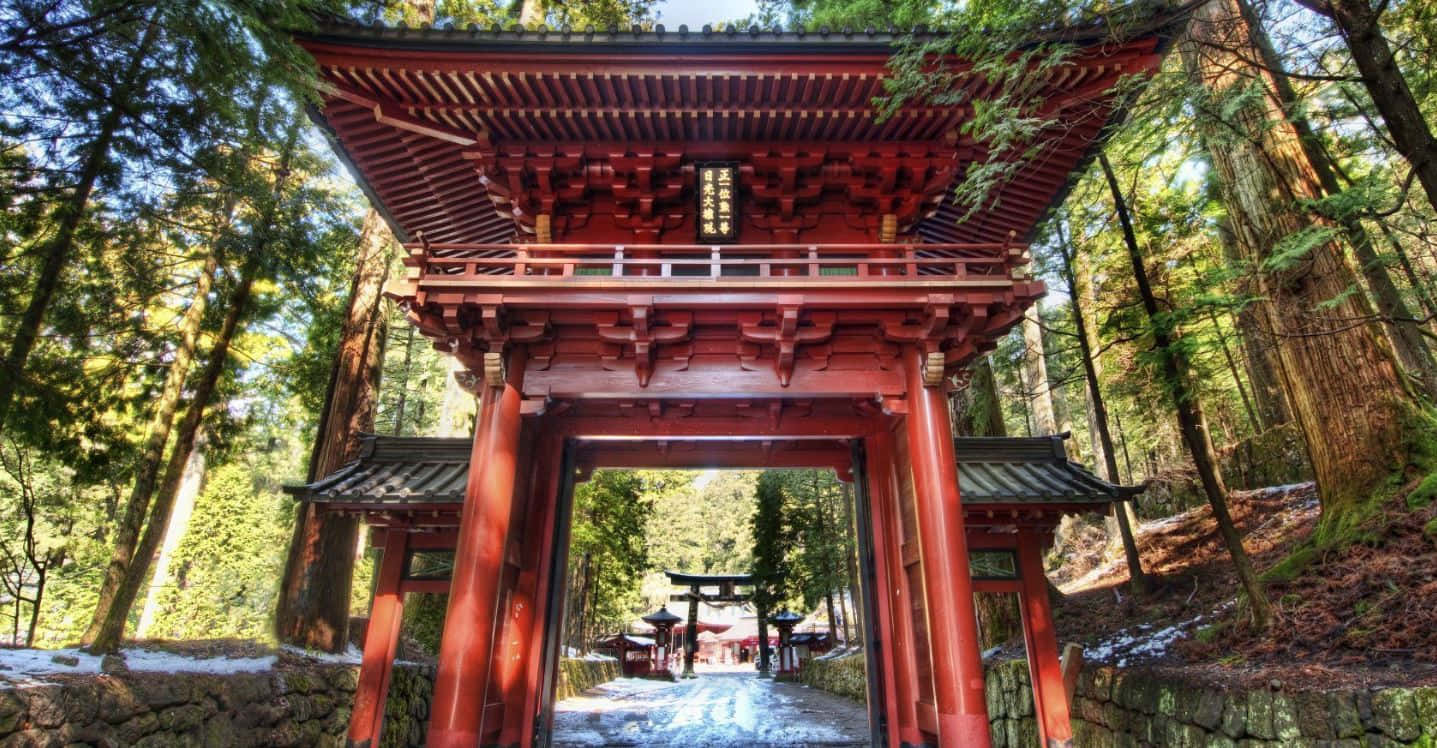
[718, 709]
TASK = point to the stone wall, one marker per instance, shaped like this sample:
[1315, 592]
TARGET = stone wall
[844, 675]
[577, 676]
[299, 707]
[1009, 695]
[276, 708]
[406, 711]
[1141, 707]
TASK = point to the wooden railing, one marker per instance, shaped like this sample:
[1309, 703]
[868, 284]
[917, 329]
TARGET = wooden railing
[838, 263]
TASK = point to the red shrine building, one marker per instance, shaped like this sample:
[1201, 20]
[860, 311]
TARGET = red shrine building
[700, 249]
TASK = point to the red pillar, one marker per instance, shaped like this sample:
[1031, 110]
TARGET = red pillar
[381, 640]
[530, 603]
[947, 584]
[891, 598]
[1050, 698]
[470, 620]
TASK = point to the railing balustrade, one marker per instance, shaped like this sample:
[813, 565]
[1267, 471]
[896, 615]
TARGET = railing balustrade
[837, 263]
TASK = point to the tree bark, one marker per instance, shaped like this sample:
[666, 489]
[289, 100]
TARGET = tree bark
[148, 471]
[313, 608]
[67, 217]
[1177, 379]
[112, 627]
[856, 591]
[1404, 330]
[765, 652]
[1100, 415]
[1339, 375]
[1360, 24]
[978, 412]
[1040, 394]
[191, 483]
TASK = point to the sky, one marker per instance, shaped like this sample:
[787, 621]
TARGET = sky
[696, 13]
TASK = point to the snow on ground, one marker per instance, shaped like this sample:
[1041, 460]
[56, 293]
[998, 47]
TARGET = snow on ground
[33, 666]
[1144, 642]
[717, 709]
[23, 664]
[351, 656]
[154, 661]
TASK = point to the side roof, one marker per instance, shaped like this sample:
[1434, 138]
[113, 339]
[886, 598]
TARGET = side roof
[393, 472]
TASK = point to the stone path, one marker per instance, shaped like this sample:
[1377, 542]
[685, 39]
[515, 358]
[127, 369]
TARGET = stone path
[714, 710]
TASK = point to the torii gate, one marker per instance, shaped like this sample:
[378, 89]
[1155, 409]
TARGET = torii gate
[727, 592]
[699, 249]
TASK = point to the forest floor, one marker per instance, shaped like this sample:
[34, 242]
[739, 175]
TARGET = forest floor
[1362, 616]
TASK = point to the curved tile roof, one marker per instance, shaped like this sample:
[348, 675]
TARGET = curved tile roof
[400, 471]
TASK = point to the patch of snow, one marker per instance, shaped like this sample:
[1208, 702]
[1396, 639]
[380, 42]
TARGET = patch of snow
[350, 656]
[32, 666]
[1145, 641]
[22, 665]
[596, 657]
[1287, 488]
[151, 661]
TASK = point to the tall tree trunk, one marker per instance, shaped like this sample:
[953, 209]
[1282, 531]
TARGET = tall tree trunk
[1360, 24]
[856, 590]
[765, 652]
[112, 628]
[458, 408]
[1419, 284]
[1339, 375]
[313, 608]
[161, 420]
[1232, 367]
[978, 412]
[1121, 511]
[832, 618]
[407, 370]
[67, 217]
[1259, 345]
[1177, 380]
[1404, 330]
[191, 483]
[40, 579]
[576, 639]
[1035, 366]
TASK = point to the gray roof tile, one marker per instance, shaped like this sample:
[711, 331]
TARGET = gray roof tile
[397, 471]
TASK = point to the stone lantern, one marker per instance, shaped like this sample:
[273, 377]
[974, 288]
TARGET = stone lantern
[785, 620]
[663, 622]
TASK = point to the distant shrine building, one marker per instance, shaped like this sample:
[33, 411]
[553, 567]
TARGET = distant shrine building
[700, 250]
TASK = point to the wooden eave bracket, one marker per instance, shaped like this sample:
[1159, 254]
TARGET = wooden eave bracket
[787, 335]
[644, 336]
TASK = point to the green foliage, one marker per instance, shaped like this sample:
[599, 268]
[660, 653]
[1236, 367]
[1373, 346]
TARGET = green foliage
[802, 542]
[1424, 493]
[225, 568]
[607, 550]
[773, 538]
[424, 619]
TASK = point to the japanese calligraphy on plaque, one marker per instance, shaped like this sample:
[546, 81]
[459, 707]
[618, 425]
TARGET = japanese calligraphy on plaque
[718, 202]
